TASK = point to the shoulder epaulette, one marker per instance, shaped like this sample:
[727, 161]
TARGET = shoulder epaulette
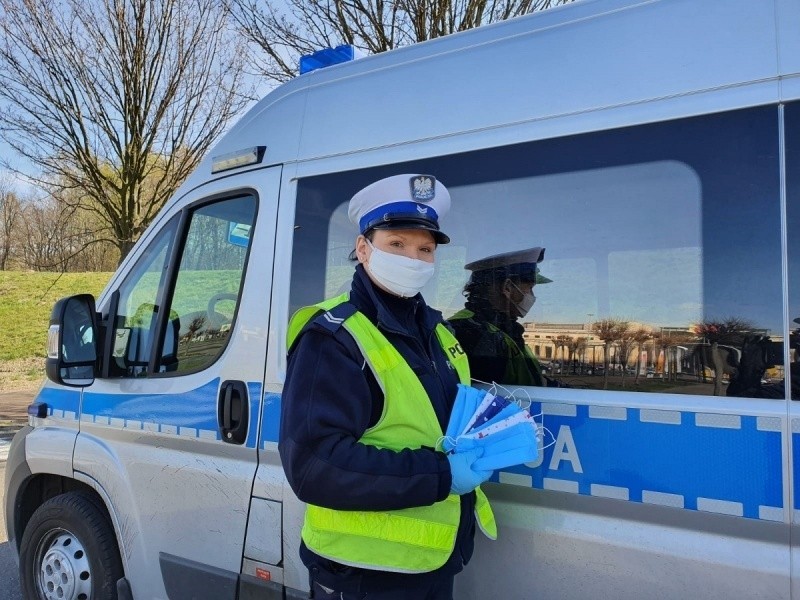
[331, 320]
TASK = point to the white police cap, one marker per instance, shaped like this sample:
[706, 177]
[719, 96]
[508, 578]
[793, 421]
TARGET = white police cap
[401, 202]
[518, 263]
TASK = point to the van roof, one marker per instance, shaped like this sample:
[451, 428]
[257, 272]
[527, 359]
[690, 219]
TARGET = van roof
[586, 62]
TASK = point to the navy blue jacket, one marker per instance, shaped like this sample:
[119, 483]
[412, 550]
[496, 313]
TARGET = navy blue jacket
[331, 398]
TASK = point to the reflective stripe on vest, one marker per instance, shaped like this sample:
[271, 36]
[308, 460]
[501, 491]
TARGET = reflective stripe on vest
[411, 540]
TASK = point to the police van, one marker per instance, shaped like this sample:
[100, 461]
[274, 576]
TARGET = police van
[651, 146]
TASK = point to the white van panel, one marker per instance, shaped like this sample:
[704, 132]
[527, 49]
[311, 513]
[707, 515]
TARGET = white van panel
[47, 446]
[606, 512]
[634, 478]
[154, 444]
[579, 67]
[556, 546]
[265, 516]
[570, 61]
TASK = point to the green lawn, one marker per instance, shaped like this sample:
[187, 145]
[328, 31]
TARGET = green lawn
[26, 300]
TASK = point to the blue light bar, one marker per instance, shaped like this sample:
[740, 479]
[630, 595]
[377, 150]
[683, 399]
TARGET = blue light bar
[328, 57]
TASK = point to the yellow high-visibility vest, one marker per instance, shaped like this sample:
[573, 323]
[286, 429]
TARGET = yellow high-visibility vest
[410, 540]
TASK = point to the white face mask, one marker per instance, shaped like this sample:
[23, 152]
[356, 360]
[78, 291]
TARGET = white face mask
[400, 275]
[523, 307]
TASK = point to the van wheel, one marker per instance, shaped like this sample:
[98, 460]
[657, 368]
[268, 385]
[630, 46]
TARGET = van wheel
[69, 551]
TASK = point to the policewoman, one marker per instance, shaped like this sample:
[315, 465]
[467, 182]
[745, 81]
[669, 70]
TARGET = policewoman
[371, 380]
[499, 293]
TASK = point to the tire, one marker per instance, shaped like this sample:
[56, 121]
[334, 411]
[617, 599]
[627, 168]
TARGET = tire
[69, 551]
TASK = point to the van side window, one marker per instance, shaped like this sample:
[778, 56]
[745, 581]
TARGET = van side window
[663, 253]
[138, 306]
[208, 284]
[792, 122]
[202, 299]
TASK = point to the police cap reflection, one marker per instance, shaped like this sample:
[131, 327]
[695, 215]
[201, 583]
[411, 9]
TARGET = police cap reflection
[500, 291]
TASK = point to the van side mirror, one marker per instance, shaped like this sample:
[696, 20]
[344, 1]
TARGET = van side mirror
[72, 341]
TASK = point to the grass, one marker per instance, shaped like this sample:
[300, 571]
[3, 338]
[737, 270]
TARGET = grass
[26, 299]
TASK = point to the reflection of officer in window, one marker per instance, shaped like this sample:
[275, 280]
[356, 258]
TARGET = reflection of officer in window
[500, 291]
[758, 353]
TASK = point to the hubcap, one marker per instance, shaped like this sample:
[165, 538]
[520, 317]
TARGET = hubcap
[63, 568]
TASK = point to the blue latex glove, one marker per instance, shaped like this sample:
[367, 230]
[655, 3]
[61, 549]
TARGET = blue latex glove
[465, 477]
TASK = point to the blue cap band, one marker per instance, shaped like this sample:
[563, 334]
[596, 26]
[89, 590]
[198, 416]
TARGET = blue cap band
[399, 211]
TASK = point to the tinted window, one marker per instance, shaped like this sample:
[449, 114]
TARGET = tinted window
[662, 243]
[208, 283]
[203, 298]
[792, 120]
[140, 294]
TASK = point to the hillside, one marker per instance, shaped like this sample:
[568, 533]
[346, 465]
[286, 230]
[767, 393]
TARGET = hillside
[26, 299]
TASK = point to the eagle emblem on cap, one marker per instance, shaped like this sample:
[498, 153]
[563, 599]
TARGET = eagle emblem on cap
[423, 188]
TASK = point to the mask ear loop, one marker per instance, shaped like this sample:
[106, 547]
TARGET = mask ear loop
[539, 425]
[492, 386]
[509, 395]
[483, 382]
[541, 430]
[519, 402]
[440, 444]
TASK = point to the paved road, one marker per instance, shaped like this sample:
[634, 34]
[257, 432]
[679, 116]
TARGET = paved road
[9, 579]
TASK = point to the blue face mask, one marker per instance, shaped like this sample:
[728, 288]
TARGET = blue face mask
[466, 403]
[517, 446]
[505, 434]
[507, 411]
[489, 407]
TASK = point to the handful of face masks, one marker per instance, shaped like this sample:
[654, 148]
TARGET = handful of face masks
[506, 433]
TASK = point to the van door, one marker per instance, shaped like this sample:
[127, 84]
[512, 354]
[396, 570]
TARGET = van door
[168, 433]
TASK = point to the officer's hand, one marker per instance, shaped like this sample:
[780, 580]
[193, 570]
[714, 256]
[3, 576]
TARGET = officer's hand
[465, 477]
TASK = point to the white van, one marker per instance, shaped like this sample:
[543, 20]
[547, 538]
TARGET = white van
[652, 146]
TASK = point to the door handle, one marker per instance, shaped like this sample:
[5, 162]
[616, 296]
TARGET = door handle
[233, 412]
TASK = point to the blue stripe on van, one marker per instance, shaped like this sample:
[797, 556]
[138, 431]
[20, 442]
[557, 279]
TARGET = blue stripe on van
[254, 396]
[720, 463]
[796, 463]
[667, 458]
[192, 410]
[271, 419]
[60, 400]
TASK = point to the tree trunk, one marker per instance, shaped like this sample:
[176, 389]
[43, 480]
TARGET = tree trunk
[125, 246]
[718, 368]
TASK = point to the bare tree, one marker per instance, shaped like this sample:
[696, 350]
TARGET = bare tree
[46, 239]
[117, 99]
[581, 344]
[610, 331]
[640, 337]
[625, 346]
[10, 217]
[562, 342]
[575, 345]
[287, 29]
[718, 339]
